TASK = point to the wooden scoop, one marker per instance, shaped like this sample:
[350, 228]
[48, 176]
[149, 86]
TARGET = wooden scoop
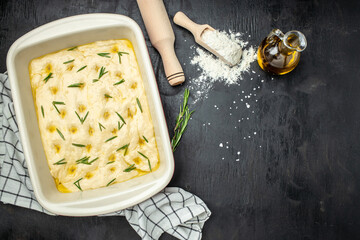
[197, 30]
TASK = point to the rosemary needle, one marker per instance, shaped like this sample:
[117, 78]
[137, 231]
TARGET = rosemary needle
[93, 160]
[61, 135]
[119, 82]
[78, 145]
[69, 61]
[78, 85]
[110, 182]
[138, 102]
[81, 68]
[73, 48]
[149, 165]
[111, 138]
[145, 139]
[60, 162]
[85, 117]
[107, 96]
[42, 111]
[48, 77]
[110, 162]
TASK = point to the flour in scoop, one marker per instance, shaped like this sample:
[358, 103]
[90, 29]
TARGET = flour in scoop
[211, 69]
[222, 44]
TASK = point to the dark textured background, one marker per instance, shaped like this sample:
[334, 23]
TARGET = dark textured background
[302, 183]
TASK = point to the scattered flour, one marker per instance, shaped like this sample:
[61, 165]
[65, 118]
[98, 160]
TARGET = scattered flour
[212, 69]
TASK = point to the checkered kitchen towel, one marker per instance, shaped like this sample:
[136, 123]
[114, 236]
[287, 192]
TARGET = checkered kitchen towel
[173, 210]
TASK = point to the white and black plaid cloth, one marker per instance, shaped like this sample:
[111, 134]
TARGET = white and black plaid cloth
[173, 210]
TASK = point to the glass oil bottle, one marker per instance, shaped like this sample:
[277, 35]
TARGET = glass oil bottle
[280, 53]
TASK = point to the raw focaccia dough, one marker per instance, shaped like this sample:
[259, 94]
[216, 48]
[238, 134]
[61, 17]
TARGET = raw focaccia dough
[65, 92]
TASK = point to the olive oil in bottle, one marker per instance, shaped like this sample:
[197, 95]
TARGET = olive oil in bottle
[279, 53]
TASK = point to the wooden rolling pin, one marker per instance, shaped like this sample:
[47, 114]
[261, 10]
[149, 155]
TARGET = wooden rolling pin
[162, 37]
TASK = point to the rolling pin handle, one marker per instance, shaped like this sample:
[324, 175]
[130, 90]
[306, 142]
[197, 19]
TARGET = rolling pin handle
[162, 37]
[173, 70]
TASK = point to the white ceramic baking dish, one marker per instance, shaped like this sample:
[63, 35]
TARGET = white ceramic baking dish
[65, 33]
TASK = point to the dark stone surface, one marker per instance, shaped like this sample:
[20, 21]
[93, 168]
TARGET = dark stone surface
[302, 183]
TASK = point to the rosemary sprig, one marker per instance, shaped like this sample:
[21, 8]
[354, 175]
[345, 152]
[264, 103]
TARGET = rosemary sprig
[61, 135]
[60, 162]
[42, 111]
[107, 95]
[73, 48]
[111, 138]
[120, 117]
[181, 121]
[126, 146]
[110, 182]
[77, 184]
[104, 55]
[145, 139]
[83, 160]
[120, 55]
[81, 68]
[101, 73]
[101, 126]
[48, 77]
[119, 82]
[138, 103]
[110, 162]
[57, 103]
[130, 168]
[78, 145]
[76, 85]
[82, 120]
[69, 61]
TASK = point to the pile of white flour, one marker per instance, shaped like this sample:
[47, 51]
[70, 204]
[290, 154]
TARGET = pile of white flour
[223, 45]
[212, 69]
